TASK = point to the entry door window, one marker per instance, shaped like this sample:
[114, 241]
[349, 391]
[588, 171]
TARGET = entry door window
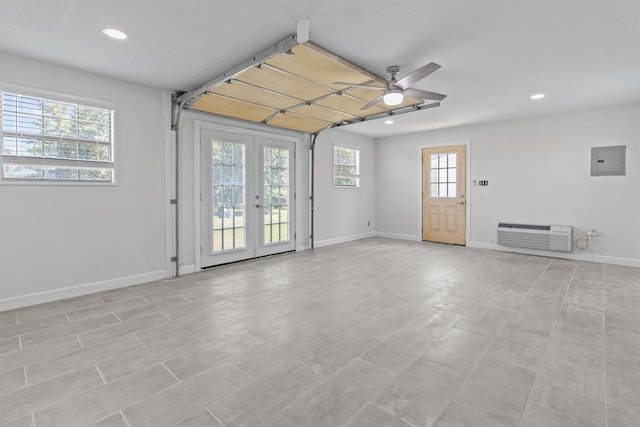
[444, 175]
[229, 209]
[276, 194]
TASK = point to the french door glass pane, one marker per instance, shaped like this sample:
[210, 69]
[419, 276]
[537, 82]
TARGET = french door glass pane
[228, 195]
[276, 194]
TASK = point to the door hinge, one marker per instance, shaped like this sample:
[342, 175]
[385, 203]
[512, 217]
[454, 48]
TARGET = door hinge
[173, 201]
[200, 250]
[174, 259]
[294, 195]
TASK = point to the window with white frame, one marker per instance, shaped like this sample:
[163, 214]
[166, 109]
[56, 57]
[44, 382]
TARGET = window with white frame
[346, 167]
[44, 139]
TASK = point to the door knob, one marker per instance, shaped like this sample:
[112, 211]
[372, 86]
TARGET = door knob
[258, 206]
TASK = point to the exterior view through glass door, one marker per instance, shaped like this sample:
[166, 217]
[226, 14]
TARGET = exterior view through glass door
[247, 204]
[443, 194]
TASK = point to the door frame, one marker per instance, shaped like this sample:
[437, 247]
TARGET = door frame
[198, 126]
[467, 144]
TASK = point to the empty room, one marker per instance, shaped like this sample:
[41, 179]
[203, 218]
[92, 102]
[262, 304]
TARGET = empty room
[299, 213]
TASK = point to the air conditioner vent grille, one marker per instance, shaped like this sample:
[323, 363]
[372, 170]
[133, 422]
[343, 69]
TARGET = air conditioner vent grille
[524, 226]
[543, 237]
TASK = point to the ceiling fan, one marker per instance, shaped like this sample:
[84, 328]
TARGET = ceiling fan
[396, 90]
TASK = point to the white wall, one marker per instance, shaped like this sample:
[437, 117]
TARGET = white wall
[538, 171]
[65, 240]
[343, 214]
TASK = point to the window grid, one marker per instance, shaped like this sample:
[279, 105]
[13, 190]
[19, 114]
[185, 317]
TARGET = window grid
[346, 167]
[443, 179]
[276, 195]
[44, 139]
[228, 185]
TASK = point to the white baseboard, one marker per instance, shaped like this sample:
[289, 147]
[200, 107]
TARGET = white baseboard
[576, 256]
[345, 239]
[187, 269]
[398, 236]
[76, 291]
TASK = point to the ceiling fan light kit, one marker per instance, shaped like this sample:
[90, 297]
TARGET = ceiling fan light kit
[393, 97]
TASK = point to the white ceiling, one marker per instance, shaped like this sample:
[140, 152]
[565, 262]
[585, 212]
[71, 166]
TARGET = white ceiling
[494, 53]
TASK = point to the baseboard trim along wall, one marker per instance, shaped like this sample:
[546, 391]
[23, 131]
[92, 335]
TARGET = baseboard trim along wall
[76, 291]
[345, 239]
[576, 256]
[398, 236]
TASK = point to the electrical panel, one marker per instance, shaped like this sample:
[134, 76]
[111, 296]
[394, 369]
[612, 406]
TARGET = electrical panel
[606, 161]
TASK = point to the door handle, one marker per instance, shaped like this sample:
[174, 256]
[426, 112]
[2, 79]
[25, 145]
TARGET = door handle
[258, 206]
[460, 203]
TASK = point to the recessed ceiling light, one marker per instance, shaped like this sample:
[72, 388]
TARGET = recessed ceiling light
[537, 96]
[114, 34]
[388, 122]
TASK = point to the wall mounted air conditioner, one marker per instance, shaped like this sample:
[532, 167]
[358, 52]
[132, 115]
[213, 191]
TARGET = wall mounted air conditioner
[543, 237]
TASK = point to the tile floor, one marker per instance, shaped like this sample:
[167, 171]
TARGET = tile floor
[377, 332]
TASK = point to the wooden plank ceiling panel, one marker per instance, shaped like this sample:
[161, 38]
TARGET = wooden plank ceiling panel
[283, 83]
[323, 113]
[224, 106]
[316, 64]
[255, 95]
[297, 122]
[349, 105]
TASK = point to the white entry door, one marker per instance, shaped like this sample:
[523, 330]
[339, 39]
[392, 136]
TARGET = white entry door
[247, 198]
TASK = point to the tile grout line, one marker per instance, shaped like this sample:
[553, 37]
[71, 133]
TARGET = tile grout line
[171, 372]
[206, 408]
[95, 365]
[124, 418]
[79, 342]
[139, 340]
[188, 416]
[298, 412]
[249, 376]
[394, 415]
[24, 373]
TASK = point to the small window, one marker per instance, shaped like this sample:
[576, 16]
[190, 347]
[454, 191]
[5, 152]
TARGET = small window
[51, 140]
[346, 167]
[443, 180]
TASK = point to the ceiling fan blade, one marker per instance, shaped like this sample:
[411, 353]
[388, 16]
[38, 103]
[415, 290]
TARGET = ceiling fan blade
[417, 75]
[372, 103]
[359, 85]
[416, 93]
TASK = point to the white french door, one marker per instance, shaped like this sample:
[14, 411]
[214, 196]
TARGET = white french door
[247, 198]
